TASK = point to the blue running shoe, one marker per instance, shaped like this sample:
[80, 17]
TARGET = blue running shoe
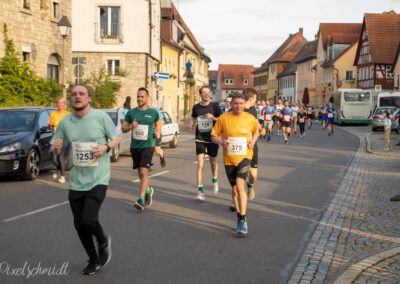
[241, 227]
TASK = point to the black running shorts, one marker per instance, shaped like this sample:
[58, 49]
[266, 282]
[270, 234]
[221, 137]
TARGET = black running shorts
[254, 160]
[142, 157]
[285, 124]
[211, 149]
[239, 171]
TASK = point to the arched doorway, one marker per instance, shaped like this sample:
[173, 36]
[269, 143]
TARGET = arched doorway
[53, 68]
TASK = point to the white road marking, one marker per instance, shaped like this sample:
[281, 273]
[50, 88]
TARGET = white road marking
[34, 212]
[157, 174]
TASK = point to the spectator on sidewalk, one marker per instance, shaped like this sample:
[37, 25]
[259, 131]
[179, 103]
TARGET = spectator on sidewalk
[127, 103]
[387, 125]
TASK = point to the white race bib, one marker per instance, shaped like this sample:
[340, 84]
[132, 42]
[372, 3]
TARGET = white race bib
[204, 124]
[237, 146]
[141, 132]
[330, 115]
[268, 117]
[301, 119]
[309, 111]
[82, 154]
[286, 117]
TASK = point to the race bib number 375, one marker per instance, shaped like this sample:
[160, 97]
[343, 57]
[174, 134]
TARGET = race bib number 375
[237, 146]
[82, 154]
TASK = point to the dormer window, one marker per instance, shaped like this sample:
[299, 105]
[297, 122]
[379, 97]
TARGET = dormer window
[245, 81]
[228, 81]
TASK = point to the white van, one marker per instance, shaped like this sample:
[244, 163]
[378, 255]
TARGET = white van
[388, 100]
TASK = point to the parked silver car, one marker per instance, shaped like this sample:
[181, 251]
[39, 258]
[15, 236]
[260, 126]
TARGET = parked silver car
[377, 118]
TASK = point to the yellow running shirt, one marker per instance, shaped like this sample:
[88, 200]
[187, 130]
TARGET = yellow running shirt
[239, 130]
[56, 116]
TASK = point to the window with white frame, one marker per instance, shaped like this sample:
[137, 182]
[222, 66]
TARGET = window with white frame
[349, 75]
[228, 81]
[113, 67]
[389, 73]
[245, 81]
[56, 9]
[110, 21]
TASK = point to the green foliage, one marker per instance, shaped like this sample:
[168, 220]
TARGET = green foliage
[104, 90]
[19, 85]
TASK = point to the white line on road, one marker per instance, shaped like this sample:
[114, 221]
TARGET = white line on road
[34, 212]
[158, 174]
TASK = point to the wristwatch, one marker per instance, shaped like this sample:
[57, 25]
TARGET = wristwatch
[108, 148]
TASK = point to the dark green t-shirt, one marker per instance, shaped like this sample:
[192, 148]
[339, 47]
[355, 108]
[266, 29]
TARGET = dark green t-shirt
[142, 136]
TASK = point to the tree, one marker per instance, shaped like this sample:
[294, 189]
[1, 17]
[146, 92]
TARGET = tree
[19, 85]
[104, 90]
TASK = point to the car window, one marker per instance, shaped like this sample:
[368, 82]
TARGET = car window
[167, 118]
[16, 120]
[114, 116]
[44, 119]
[381, 110]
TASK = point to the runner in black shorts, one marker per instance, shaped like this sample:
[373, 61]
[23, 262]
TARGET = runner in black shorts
[142, 120]
[310, 115]
[204, 115]
[251, 96]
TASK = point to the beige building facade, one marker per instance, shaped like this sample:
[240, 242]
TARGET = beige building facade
[130, 55]
[32, 25]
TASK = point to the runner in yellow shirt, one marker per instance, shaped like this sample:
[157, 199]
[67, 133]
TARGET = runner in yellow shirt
[58, 159]
[239, 132]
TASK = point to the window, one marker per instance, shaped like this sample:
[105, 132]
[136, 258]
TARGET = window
[167, 118]
[113, 67]
[53, 69]
[349, 75]
[26, 56]
[389, 73]
[43, 119]
[26, 4]
[356, 97]
[228, 81]
[56, 9]
[109, 22]
[245, 81]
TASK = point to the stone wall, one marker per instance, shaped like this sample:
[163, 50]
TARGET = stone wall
[36, 30]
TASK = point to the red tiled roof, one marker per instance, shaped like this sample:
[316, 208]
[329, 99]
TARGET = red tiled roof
[289, 49]
[213, 75]
[339, 33]
[238, 73]
[173, 12]
[383, 36]
[308, 51]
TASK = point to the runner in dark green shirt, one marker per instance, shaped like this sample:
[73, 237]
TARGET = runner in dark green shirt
[142, 120]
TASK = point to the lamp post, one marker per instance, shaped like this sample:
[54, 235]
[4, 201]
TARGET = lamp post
[64, 26]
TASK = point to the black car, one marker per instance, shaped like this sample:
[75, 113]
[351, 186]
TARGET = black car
[24, 142]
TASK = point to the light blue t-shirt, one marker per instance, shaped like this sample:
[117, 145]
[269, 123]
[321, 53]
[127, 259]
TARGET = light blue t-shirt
[96, 126]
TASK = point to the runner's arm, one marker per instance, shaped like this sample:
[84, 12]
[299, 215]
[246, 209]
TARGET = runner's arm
[158, 124]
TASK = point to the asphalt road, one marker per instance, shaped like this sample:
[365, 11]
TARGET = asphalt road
[179, 240]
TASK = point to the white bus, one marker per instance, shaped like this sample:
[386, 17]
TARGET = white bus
[388, 100]
[352, 106]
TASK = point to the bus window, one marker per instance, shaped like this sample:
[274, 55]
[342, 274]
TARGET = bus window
[389, 102]
[356, 97]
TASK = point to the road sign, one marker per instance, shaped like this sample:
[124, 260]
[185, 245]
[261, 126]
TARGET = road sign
[378, 88]
[161, 75]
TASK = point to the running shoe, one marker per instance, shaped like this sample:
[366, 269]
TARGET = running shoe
[61, 179]
[241, 228]
[148, 198]
[286, 141]
[251, 193]
[329, 133]
[139, 205]
[104, 253]
[200, 196]
[55, 175]
[163, 162]
[232, 208]
[91, 268]
[215, 188]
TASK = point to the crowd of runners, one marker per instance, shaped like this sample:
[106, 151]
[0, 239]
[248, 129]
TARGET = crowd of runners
[90, 134]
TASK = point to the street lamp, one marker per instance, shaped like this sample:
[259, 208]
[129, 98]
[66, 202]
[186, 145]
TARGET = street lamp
[64, 26]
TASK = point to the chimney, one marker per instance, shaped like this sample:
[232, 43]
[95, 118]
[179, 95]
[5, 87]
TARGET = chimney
[301, 30]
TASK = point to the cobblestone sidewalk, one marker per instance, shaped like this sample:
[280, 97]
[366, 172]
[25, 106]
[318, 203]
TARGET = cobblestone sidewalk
[358, 238]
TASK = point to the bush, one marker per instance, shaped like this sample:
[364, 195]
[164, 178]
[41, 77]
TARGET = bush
[19, 85]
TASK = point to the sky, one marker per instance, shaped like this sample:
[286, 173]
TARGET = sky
[249, 31]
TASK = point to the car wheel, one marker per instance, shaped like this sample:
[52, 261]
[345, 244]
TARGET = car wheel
[115, 154]
[174, 142]
[32, 168]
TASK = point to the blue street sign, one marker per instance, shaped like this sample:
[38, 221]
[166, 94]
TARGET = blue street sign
[161, 75]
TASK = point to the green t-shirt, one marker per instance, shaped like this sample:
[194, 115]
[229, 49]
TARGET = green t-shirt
[143, 135]
[97, 127]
